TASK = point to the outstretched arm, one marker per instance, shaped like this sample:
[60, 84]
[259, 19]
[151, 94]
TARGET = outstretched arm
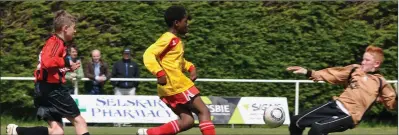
[334, 75]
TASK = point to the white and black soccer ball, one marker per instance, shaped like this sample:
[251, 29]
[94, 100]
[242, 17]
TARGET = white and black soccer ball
[274, 116]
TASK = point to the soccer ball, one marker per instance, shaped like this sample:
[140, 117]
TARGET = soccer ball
[274, 116]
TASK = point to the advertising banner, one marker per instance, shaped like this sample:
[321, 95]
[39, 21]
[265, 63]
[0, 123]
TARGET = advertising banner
[150, 109]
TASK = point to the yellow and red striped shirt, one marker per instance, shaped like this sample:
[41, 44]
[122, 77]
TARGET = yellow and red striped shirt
[165, 57]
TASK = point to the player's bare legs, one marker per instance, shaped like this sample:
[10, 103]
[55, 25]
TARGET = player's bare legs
[203, 111]
[204, 116]
[186, 119]
[185, 122]
[80, 124]
[55, 128]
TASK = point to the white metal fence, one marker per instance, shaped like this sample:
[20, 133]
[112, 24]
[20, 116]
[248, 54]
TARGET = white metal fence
[297, 82]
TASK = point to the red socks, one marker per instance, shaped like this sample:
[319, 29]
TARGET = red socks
[207, 128]
[165, 129]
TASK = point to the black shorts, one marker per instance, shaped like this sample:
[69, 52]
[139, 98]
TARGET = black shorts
[53, 102]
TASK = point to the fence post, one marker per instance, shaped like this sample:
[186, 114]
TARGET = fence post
[296, 98]
[76, 86]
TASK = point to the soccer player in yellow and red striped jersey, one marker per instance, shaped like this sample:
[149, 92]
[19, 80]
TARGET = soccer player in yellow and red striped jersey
[165, 60]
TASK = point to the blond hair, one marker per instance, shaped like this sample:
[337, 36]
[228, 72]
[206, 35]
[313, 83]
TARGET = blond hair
[63, 18]
[377, 52]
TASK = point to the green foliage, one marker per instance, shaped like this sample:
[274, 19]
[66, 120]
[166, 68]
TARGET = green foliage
[251, 40]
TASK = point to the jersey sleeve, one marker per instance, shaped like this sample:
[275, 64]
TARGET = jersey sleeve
[188, 66]
[334, 75]
[156, 52]
[388, 95]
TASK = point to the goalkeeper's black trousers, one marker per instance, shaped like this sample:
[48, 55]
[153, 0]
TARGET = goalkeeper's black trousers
[322, 119]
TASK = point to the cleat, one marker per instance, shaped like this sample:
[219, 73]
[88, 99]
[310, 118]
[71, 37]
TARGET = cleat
[142, 131]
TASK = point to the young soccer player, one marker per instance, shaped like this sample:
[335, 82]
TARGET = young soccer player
[165, 60]
[51, 99]
[363, 86]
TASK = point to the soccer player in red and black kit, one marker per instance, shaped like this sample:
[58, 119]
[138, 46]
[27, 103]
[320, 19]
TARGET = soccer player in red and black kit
[51, 99]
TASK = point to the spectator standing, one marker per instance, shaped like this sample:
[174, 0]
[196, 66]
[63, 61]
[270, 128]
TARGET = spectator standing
[125, 68]
[97, 71]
